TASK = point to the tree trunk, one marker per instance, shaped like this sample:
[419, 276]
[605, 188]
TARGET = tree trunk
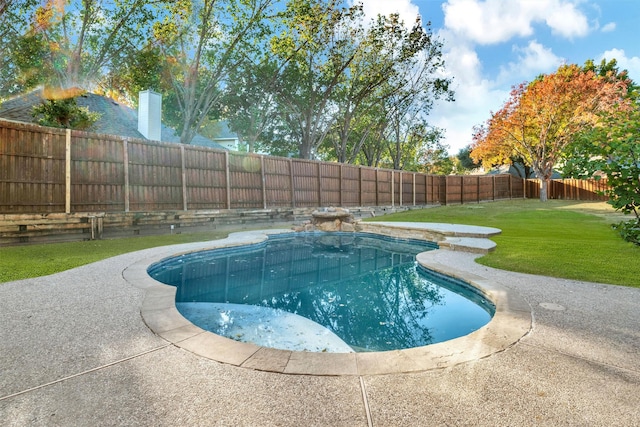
[544, 188]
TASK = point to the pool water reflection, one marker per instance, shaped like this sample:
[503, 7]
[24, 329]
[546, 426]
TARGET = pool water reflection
[358, 292]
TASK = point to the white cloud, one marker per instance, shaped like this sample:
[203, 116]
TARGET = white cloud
[532, 60]
[475, 96]
[469, 23]
[487, 22]
[564, 19]
[473, 106]
[495, 21]
[611, 26]
[632, 65]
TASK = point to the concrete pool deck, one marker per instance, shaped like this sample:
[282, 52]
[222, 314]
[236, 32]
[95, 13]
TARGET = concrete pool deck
[75, 350]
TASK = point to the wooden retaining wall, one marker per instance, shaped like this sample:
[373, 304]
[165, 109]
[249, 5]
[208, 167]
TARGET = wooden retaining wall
[62, 227]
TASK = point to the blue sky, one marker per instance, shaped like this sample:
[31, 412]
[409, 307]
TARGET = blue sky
[491, 45]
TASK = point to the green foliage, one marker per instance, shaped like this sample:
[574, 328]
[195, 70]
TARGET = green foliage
[16, 73]
[69, 43]
[201, 43]
[464, 157]
[355, 91]
[612, 151]
[64, 113]
[629, 231]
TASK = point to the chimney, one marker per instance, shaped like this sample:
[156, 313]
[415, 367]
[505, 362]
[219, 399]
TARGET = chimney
[149, 115]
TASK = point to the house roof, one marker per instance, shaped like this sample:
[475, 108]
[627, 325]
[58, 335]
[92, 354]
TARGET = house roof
[115, 118]
[224, 133]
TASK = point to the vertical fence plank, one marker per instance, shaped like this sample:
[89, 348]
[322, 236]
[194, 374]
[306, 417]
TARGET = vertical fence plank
[510, 186]
[184, 180]
[67, 172]
[228, 178]
[342, 184]
[377, 187]
[393, 188]
[319, 171]
[125, 159]
[264, 183]
[293, 190]
[414, 189]
[401, 190]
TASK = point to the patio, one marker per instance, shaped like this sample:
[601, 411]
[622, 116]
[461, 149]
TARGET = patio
[76, 351]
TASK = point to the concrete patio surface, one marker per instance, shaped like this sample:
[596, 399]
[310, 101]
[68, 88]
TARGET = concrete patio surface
[75, 350]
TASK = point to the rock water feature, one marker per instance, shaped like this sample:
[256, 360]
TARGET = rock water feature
[330, 219]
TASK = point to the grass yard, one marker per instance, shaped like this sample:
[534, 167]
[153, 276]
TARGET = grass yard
[22, 262]
[571, 240]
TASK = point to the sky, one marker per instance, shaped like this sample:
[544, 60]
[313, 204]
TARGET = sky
[491, 45]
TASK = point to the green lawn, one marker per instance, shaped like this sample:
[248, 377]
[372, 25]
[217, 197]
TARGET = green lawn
[21, 262]
[563, 239]
[572, 240]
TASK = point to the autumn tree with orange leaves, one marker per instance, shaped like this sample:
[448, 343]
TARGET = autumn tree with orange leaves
[540, 119]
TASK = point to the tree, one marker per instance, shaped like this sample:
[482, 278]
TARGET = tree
[140, 69]
[13, 26]
[65, 113]
[316, 46]
[202, 41]
[464, 158]
[406, 130]
[541, 119]
[71, 43]
[612, 151]
[249, 102]
[390, 59]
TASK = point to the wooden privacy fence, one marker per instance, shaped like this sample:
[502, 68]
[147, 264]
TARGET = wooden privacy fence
[45, 170]
[570, 189]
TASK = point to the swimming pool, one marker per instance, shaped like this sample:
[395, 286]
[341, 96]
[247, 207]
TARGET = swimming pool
[324, 292]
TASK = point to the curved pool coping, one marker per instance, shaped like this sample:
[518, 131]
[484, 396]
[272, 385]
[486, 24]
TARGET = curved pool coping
[512, 320]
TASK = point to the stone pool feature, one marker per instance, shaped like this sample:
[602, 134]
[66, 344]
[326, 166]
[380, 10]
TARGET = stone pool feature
[330, 219]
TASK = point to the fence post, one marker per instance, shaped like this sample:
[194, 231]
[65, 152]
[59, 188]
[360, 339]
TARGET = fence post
[319, 184]
[426, 189]
[340, 188]
[493, 187]
[228, 177]
[184, 180]
[510, 187]
[361, 189]
[67, 173]
[125, 160]
[393, 188]
[401, 190]
[461, 190]
[377, 187]
[414, 189]
[478, 188]
[293, 191]
[446, 190]
[264, 183]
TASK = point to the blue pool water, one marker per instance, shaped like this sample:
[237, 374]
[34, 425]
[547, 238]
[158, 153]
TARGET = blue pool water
[337, 292]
